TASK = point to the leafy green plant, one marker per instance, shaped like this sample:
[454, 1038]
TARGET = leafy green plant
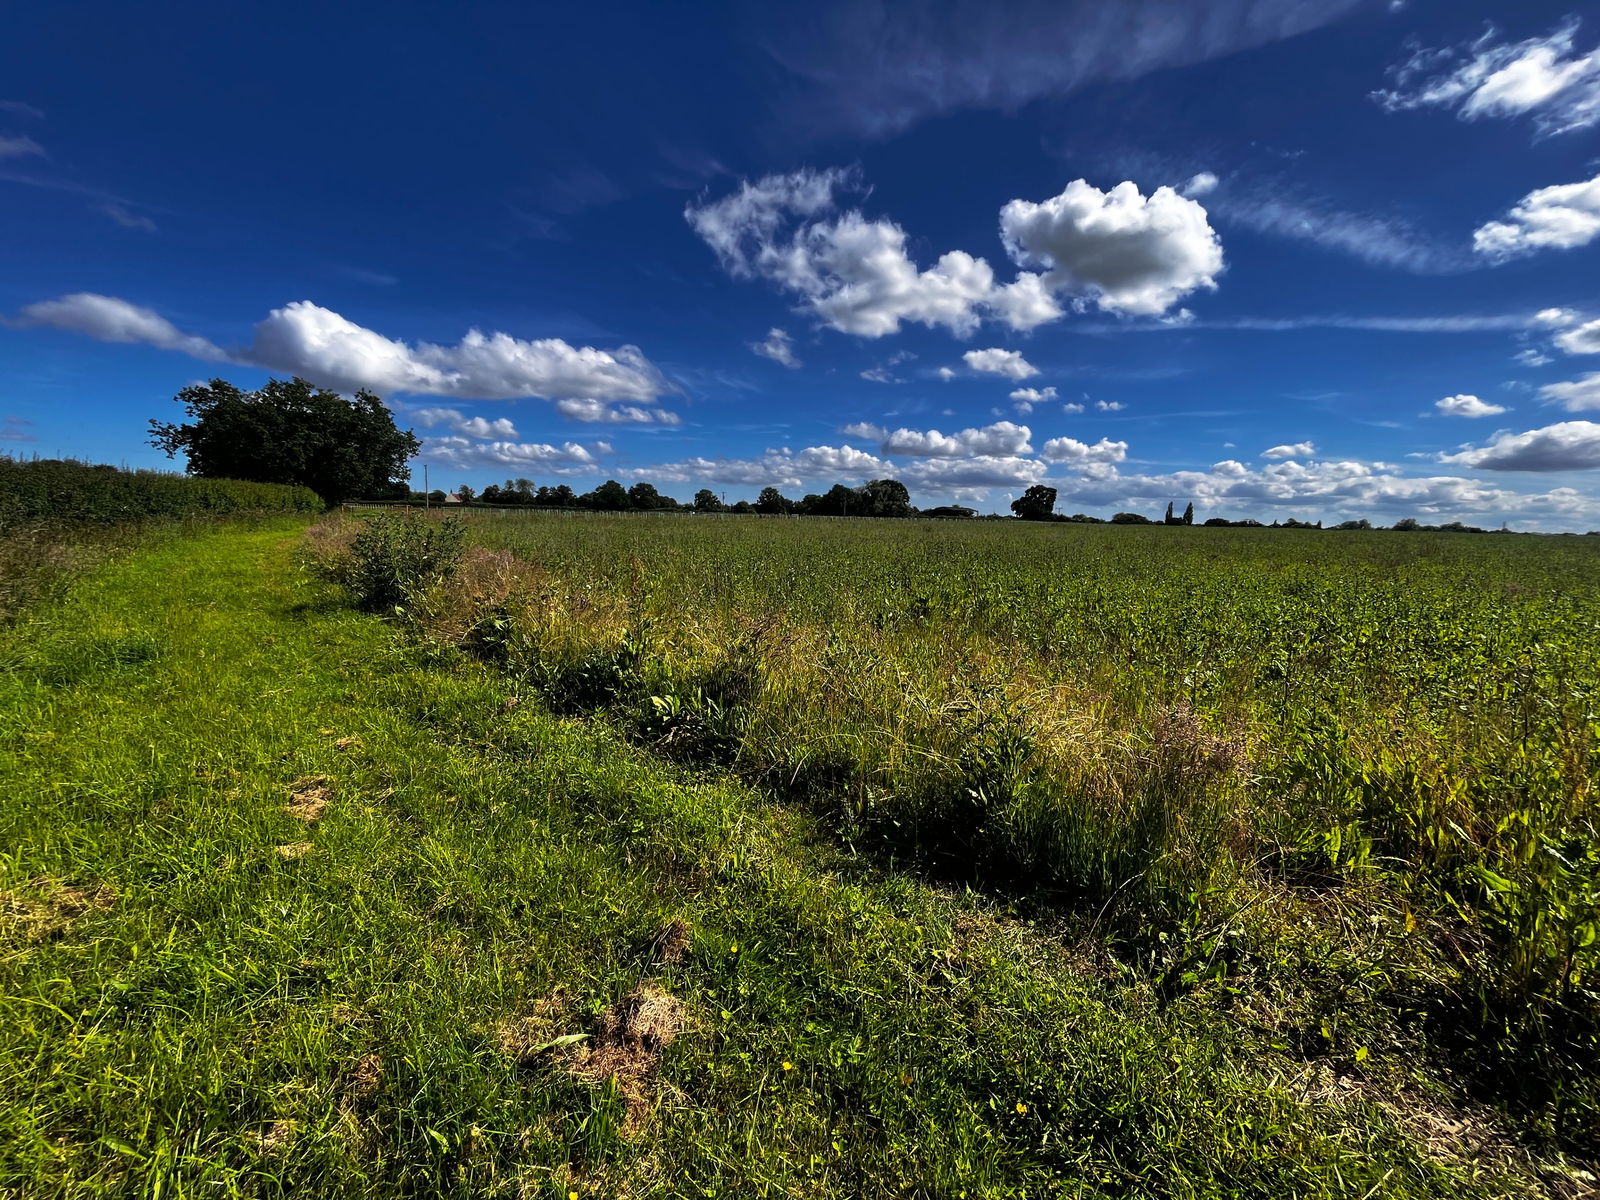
[394, 555]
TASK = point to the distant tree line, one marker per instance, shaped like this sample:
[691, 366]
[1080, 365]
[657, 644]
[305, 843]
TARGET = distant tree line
[875, 498]
[290, 432]
[1038, 503]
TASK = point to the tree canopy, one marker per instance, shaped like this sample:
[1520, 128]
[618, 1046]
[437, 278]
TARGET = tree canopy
[288, 431]
[1038, 503]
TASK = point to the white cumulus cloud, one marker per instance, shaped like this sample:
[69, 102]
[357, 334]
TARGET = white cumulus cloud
[1002, 439]
[1575, 395]
[1467, 406]
[1072, 451]
[1127, 252]
[590, 410]
[1567, 446]
[477, 427]
[108, 319]
[1580, 339]
[318, 344]
[1560, 217]
[1009, 363]
[1290, 450]
[466, 453]
[782, 467]
[1033, 395]
[854, 274]
[1540, 76]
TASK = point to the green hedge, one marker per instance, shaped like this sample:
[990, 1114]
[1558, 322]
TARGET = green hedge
[50, 490]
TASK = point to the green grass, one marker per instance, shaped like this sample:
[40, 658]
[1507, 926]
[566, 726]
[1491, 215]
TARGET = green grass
[188, 1012]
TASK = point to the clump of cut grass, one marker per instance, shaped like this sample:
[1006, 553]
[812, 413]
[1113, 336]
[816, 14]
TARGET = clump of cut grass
[628, 1040]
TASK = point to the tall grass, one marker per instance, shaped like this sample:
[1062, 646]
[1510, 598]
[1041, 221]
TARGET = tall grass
[1186, 731]
[293, 906]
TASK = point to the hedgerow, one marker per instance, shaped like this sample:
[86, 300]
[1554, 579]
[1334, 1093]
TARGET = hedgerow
[48, 490]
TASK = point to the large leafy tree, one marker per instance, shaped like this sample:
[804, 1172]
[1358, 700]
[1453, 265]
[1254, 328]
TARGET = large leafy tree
[1038, 503]
[289, 431]
[885, 498]
[771, 500]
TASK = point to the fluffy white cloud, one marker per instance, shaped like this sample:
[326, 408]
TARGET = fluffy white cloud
[1489, 78]
[1202, 184]
[108, 319]
[853, 273]
[1567, 446]
[477, 427]
[1325, 489]
[1009, 363]
[1072, 451]
[466, 453]
[968, 478]
[1532, 358]
[304, 339]
[779, 468]
[1290, 450]
[1576, 395]
[590, 410]
[1071, 409]
[1125, 252]
[1559, 217]
[946, 373]
[1580, 339]
[19, 146]
[1467, 406]
[1023, 399]
[1033, 395]
[777, 346]
[1109, 405]
[1128, 252]
[322, 345]
[1002, 439]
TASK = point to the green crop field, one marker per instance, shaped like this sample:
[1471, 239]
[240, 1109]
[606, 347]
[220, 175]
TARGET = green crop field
[546, 855]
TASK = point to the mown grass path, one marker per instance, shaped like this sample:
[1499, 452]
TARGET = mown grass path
[203, 993]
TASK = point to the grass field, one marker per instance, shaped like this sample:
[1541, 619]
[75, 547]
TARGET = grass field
[694, 857]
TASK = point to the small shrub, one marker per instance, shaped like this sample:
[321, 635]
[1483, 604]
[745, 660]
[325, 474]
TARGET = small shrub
[395, 556]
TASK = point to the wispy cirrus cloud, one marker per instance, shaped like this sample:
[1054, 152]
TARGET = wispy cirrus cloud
[1542, 78]
[877, 67]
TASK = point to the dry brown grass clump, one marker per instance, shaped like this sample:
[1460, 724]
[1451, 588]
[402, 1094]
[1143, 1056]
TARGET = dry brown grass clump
[326, 546]
[671, 943]
[627, 1043]
[484, 583]
[51, 908]
[309, 798]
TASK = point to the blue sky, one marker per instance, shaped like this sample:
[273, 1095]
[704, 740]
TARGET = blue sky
[1321, 258]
